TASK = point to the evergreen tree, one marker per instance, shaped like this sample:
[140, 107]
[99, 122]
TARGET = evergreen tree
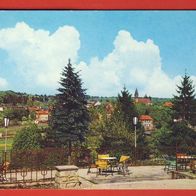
[178, 137]
[136, 95]
[184, 102]
[127, 107]
[69, 120]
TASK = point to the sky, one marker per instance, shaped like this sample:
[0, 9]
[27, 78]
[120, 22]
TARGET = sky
[147, 50]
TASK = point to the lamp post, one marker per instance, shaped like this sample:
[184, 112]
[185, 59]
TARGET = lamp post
[135, 121]
[175, 121]
[6, 123]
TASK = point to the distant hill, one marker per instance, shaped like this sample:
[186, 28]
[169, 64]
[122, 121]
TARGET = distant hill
[21, 97]
[97, 98]
[101, 99]
[158, 100]
[15, 98]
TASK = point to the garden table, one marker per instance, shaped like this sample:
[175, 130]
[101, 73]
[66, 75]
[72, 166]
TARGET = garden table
[111, 161]
[183, 160]
[108, 158]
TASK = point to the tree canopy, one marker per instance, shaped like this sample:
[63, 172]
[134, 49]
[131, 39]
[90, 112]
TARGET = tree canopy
[29, 138]
[184, 102]
[69, 119]
[126, 107]
[175, 133]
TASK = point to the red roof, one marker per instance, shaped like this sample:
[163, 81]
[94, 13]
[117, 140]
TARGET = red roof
[143, 100]
[145, 117]
[42, 112]
[168, 104]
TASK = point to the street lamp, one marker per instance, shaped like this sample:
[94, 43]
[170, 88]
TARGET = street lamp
[135, 121]
[6, 123]
[175, 121]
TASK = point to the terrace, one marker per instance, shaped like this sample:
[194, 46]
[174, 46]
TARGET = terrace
[141, 175]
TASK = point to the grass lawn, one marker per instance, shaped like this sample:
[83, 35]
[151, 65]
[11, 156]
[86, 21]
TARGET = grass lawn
[14, 129]
[11, 131]
[9, 144]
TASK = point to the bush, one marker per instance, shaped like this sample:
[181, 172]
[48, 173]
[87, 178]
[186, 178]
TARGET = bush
[18, 113]
[29, 138]
[38, 158]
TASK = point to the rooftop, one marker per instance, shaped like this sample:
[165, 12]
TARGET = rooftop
[145, 117]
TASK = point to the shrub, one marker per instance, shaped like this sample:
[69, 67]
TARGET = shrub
[29, 138]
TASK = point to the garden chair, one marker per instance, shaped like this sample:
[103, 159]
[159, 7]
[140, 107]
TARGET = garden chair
[182, 161]
[102, 166]
[123, 166]
[170, 163]
[193, 166]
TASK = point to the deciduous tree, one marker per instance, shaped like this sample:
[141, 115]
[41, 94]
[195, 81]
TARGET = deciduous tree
[29, 138]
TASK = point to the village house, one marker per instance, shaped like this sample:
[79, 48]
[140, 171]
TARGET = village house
[97, 103]
[146, 101]
[147, 122]
[168, 104]
[91, 104]
[42, 116]
[142, 100]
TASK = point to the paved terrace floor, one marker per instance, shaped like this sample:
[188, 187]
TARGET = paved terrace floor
[141, 177]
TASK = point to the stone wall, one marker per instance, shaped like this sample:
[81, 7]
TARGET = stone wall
[66, 177]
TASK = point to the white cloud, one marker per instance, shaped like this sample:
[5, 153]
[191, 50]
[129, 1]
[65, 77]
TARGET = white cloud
[133, 63]
[3, 83]
[40, 56]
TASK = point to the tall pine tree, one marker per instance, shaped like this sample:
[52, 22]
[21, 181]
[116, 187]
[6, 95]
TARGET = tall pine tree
[70, 119]
[127, 107]
[184, 102]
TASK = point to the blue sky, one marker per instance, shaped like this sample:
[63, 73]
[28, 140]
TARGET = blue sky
[110, 48]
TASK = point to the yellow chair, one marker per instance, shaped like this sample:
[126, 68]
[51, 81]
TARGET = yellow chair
[122, 166]
[101, 164]
[123, 159]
